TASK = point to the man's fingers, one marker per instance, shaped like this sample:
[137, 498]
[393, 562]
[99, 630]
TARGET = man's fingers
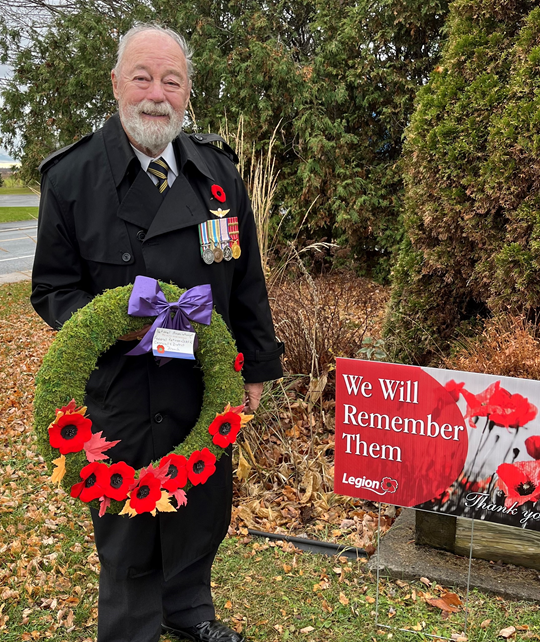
[253, 395]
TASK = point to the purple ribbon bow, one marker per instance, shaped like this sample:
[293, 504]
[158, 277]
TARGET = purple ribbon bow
[147, 300]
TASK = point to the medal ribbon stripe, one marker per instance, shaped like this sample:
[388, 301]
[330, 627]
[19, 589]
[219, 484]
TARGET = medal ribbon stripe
[233, 227]
[224, 230]
[216, 232]
[201, 237]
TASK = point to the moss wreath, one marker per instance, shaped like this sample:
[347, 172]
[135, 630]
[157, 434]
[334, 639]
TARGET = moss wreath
[60, 388]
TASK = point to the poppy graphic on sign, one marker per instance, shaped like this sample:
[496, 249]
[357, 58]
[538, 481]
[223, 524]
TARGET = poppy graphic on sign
[160, 349]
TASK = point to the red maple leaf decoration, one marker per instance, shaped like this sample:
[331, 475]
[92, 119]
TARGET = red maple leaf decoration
[96, 445]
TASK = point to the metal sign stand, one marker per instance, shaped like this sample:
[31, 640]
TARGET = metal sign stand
[429, 635]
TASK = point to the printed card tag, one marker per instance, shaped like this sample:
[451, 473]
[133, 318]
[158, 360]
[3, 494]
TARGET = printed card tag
[175, 344]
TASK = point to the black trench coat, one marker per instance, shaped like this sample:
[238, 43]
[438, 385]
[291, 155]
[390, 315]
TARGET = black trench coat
[102, 222]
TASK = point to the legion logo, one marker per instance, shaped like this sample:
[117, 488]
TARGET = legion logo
[386, 485]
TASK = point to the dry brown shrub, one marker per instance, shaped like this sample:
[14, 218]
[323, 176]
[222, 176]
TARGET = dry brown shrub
[325, 317]
[285, 456]
[508, 346]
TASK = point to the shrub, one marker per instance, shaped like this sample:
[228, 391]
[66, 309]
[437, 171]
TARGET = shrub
[508, 346]
[472, 166]
[324, 318]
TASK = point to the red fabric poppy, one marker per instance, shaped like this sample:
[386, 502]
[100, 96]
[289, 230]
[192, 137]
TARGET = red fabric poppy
[200, 466]
[389, 485]
[116, 480]
[176, 472]
[70, 432]
[225, 428]
[532, 444]
[239, 362]
[90, 488]
[218, 193]
[454, 388]
[146, 494]
[520, 482]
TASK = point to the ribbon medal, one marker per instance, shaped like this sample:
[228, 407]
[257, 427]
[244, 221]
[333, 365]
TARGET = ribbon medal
[206, 252]
[215, 235]
[225, 239]
[234, 235]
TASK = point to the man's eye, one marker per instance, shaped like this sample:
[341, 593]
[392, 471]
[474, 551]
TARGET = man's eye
[141, 79]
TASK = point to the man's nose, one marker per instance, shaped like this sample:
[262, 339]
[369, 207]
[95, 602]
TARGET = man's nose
[155, 92]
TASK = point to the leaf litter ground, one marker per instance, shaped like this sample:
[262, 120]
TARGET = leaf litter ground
[49, 567]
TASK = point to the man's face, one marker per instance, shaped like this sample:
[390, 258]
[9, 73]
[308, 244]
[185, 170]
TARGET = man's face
[152, 89]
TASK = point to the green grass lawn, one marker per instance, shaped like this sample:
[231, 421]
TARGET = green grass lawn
[10, 214]
[271, 592]
[15, 190]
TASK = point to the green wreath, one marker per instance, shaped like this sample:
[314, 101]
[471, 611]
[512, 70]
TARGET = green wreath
[61, 424]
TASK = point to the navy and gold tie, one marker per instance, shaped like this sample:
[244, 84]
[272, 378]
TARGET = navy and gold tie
[159, 169]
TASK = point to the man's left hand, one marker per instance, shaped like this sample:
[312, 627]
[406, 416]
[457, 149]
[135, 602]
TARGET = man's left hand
[252, 397]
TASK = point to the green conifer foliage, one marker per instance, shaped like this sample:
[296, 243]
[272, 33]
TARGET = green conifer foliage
[472, 170]
[337, 78]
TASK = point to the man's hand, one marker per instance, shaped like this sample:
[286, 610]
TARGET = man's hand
[252, 397]
[136, 335]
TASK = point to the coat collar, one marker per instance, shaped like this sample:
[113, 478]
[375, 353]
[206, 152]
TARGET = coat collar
[142, 205]
[121, 154]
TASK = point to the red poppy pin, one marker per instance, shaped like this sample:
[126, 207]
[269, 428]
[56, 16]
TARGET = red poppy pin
[218, 193]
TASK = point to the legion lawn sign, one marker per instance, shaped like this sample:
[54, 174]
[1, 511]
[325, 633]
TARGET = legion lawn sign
[451, 442]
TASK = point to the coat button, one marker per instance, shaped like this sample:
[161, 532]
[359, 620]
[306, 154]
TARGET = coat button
[141, 234]
[158, 418]
[199, 137]
[126, 256]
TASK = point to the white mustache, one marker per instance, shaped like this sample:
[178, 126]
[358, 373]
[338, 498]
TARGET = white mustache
[154, 109]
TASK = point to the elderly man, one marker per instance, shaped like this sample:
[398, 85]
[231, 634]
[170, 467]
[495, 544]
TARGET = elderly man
[134, 198]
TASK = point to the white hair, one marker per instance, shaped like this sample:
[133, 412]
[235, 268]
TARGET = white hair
[142, 27]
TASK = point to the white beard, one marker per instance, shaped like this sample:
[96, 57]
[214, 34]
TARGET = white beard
[154, 136]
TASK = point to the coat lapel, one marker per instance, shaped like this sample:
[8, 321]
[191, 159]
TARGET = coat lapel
[179, 209]
[141, 202]
[143, 205]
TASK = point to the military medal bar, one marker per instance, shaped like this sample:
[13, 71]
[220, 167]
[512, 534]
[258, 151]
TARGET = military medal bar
[219, 239]
[206, 252]
[213, 228]
[233, 233]
[225, 239]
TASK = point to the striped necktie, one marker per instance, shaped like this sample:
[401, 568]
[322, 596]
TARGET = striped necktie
[159, 168]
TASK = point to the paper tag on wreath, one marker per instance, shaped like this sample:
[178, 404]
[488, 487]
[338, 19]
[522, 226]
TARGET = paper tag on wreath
[175, 344]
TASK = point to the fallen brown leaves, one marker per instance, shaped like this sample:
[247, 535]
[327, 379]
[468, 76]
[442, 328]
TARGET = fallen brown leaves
[285, 465]
[33, 525]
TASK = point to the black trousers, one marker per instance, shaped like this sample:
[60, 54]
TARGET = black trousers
[132, 609]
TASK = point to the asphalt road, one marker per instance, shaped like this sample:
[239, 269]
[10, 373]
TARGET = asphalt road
[19, 200]
[17, 248]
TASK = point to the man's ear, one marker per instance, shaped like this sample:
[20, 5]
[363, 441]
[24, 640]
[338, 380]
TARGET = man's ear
[114, 80]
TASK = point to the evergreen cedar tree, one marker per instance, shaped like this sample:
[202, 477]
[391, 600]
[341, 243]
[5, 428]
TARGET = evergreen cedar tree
[472, 170]
[339, 77]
